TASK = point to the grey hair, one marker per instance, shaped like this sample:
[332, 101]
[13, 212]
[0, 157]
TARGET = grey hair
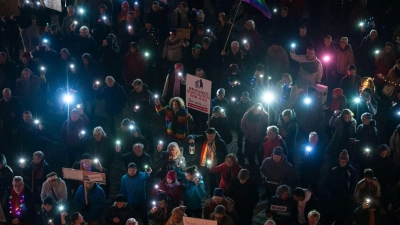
[269, 222]
[174, 145]
[130, 220]
[282, 189]
[252, 23]
[234, 43]
[274, 129]
[138, 144]
[367, 115]
[84, 28]
[18, 179]
[39, 154]
[313, 134]
[99, 130]
[110, 78]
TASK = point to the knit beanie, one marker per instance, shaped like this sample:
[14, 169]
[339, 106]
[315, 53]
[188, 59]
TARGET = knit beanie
[337, 92]
[125, 122]
[218, 192]
[171, 175]
[217, 109]
[132, 165]
[206, 40]
[220, 209]
[120, 198]
[352, 67]
[86, 156]
[278, 150]
[344, 155]
[162, 196]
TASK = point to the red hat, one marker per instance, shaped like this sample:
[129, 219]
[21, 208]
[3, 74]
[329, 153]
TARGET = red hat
[125, 4]
[337, 92]
[178, 66]
[171, 175]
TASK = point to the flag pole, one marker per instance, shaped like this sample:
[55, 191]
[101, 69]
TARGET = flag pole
[230, 30]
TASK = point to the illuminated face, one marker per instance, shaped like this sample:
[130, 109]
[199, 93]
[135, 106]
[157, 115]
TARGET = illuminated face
[18, 187]
[132, 171]
[249, 26]
[220, 96]
[383, 154]
[216, 115]
[210, 137]
[388, 49]
[284, 13]
[205, 46]
[342, 163]
[365, 120]
[71, 12]
[26, 75]
[303, 32]
[347, 118]
[110, 82]
[200, 32]
[189, 177]
[229, 162]
[27, 117]
[119, 204]
[271, 135]
[125, 8]
[7, 95]
[148, 26]
[170, 181]
[138, 88]
[235, 48]
[85, 62]
[219, 216]
[53, 183]
[313, 140]
[86, 164]
[217, 199]
[286, 119]
[352, 72]
[343, 44]
[242, 181]
[80, 219]
[64, 56]
[175, 105]
[24, 60]
[256, 110]
[132, 49]
[277, 158]
[174, 151]
[310, 55]
[373, 35]
[327, 42]
[368, 180]
[47, 207]
[98, 136]
[161, 204]
[3, 59]
[138, 151]
[129, 18]
[84, 33]
[313, 220]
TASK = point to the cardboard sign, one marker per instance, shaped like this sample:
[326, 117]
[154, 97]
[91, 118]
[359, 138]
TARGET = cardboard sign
[53, 4]
[198, 93]
[195, 221]
[83, 175]
[182, 33]
[323, 90]
[9, 8]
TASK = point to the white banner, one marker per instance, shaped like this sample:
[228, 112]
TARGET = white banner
[195, 221]
[198, 93]
[53, 4]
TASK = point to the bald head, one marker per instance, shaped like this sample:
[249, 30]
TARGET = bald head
[6, 94]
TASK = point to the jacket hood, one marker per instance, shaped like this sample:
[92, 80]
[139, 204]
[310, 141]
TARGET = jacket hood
[3, 160]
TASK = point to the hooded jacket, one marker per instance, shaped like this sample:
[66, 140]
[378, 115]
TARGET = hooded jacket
[134, 188]
[344, 58]
[281, 172]
[6, 175]
[302, 208]
[342, 180]
[193, 193]
[368, 135]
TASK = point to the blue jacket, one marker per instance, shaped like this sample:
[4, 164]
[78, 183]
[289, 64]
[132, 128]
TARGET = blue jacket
[96, 201]
[134, 188]
[193, 193]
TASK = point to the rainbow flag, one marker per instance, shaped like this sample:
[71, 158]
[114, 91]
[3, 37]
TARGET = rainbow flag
[260, 5]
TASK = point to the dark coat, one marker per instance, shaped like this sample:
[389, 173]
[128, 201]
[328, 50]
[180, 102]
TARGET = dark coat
[245, 195]
[144, 101]
[53, 215]
[6, 175]
[134, 67]
[220, 145]
[123, 214]
[83, 45]
[221, 124]
[140, 161]
[342, 180]
[115, 99]
[102, 150]
[226, 180]
[312, 204]
[368, 135]
[10, 112]
[28, 137]
[35, 178]
[71, 129]
[27, 215]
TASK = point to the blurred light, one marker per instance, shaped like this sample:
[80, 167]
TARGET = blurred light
[233, 99]
[244, 41]
[357, 100]
[376, 52]
[293, 45]
[81, 11]
[36, 121]
[146, 54]
[275, 10]
[136, 107]
[78, 106]
[97, 82]
[45, 40]
[68, 98]
[222, 110]
[145, 166]
[367, 150]
[154, 203]
[104, 18]
[268, 97]
[96, 160]
[261, 75]
[156, 96]
[307, 101]
[118, 142]
[61, 208]
[42, 68]
[131, 127]
[75, 22]
[72, 66]
[83, 132]
[160, 142]
[367, 200]
[197, 174]
[398, 113]
[327, 58]
[259, 107]
[130, 27]
[21, 160]
[27, 2]
[269, 78]
[208, 162]
[156, 186]
[136, 3]
[50, 221]
[38, 3]
[180, 74]
[308, 149]
[361, 24]
[208, 30]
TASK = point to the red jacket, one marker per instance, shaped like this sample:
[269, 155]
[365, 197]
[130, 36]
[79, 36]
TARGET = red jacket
[223, 170]
[134, 67]
[175, 193]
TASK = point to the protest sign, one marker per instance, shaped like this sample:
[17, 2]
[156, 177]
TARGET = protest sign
[198, 93]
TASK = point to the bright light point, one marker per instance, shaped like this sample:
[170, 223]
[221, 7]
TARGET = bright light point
[268, 97]
[67, 98]
[21, 160]
[222, 110]
[307, 101]
[104, 18]
[208, 30]
[42, 68]
[208, 162]
[160, 142]
[131, 127]
[27, 2]
[327, 58]
[118, 142]
[367, 150]
[376, 52]
[154, 203]
[259, 108]
[146, 54]
[398, 113]
[155, 96]
[136, 107]
[83, 132]
[61, 208]
[367, 200]
[261, 76]
[45, 41]
[357, 100]
[36, 121]
[81, 11]
[233, 99]
[179, 74]
[50, 221]
[197, 174]
[244, 41]
[39, 4]
[96, 160]
[78, 106]
[75, 22]
[275, 10]
[156, 186]
[145, 166]
[72, 66]
[136, 3]
[361, 24]
[97, 82]
[308, 149]
[129, 27]
[293, 45]
[269, 78]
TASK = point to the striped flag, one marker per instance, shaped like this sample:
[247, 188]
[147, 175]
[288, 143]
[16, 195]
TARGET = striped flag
[261, 6]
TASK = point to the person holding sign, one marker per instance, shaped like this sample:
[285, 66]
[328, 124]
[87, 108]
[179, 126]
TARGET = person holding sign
[133, 185]
[92, 209]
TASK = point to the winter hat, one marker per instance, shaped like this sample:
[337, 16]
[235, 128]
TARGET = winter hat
[87, 56]
[344, 39]
[125, 4]
[197, 46]
[86, 156]
[178, 66]
[245, 94]
[344, 155]
[337, 92]
[200, 16]
[218, 192]
[48, 201]
[206, 40]
[171, 175]
[132, 165]
[278, 150]
[120, 198]
[220, 209]
[51, 176]
[221, 91]
[243, 174]
[352, 67]
[217, 109]
[162, 196]
[125, 122]
[389, 44]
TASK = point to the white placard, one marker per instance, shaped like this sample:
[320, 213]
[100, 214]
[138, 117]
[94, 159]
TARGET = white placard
[195, 221]
[53, 4]
[95, 177]
[72, 174]
[198, 93]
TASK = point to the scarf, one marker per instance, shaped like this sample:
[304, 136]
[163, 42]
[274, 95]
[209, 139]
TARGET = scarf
[17, 203]
[177, 86]
[204, 151]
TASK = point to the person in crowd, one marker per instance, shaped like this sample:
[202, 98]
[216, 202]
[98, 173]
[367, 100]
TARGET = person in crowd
[220, 122]
[219, 198]
[276, 60]
[174, 83]
[244, 191]
[271, 140]
[29, 34]
[173, 48]
[283, 26]
[288, 129]
[350, 83]
[28, 136]
[302, 41]
[221, 216]
[276, 170]
[234, 56]
[96, 202]
[280, 206]
[304, 203]
[138, 156]
[76, 218]
[367, 137]
[312, 153]
[133, 185]
[194, 190]
[72, 134]
[368, 190]
[99, 145]
[115, 100]
[390, 205]
[177, 215]
[28, 89]
[220, 100]
[384, 61]
[240, 109]
[127, 32]
[253, 125]
[118, 213]
[129, 134]
[83, 42]
[234, 80]
[213, 151]
[162, 210]
[229, 170]
[181, 16]
[270, 222]
[338, 102]
[134, 65]
[201, 34]
[158, 16]
[344, 58]
[327, 51]
[365, 54]
[313, 217]
[6, 175]
[125, 8]
[345, 128]
[383, 168]
[171, 158]
[341, 184]
[310, 71]
[176, 117]
[71, 17]
[19, 193]
[250, 35]
[10, 69]
[391, 80]
[221, 30]
[35, 173]
[49, 213]
[108, 54]
[54, 188]
[366, 103]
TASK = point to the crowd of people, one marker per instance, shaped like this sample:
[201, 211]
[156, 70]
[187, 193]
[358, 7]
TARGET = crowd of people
[319, 118]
